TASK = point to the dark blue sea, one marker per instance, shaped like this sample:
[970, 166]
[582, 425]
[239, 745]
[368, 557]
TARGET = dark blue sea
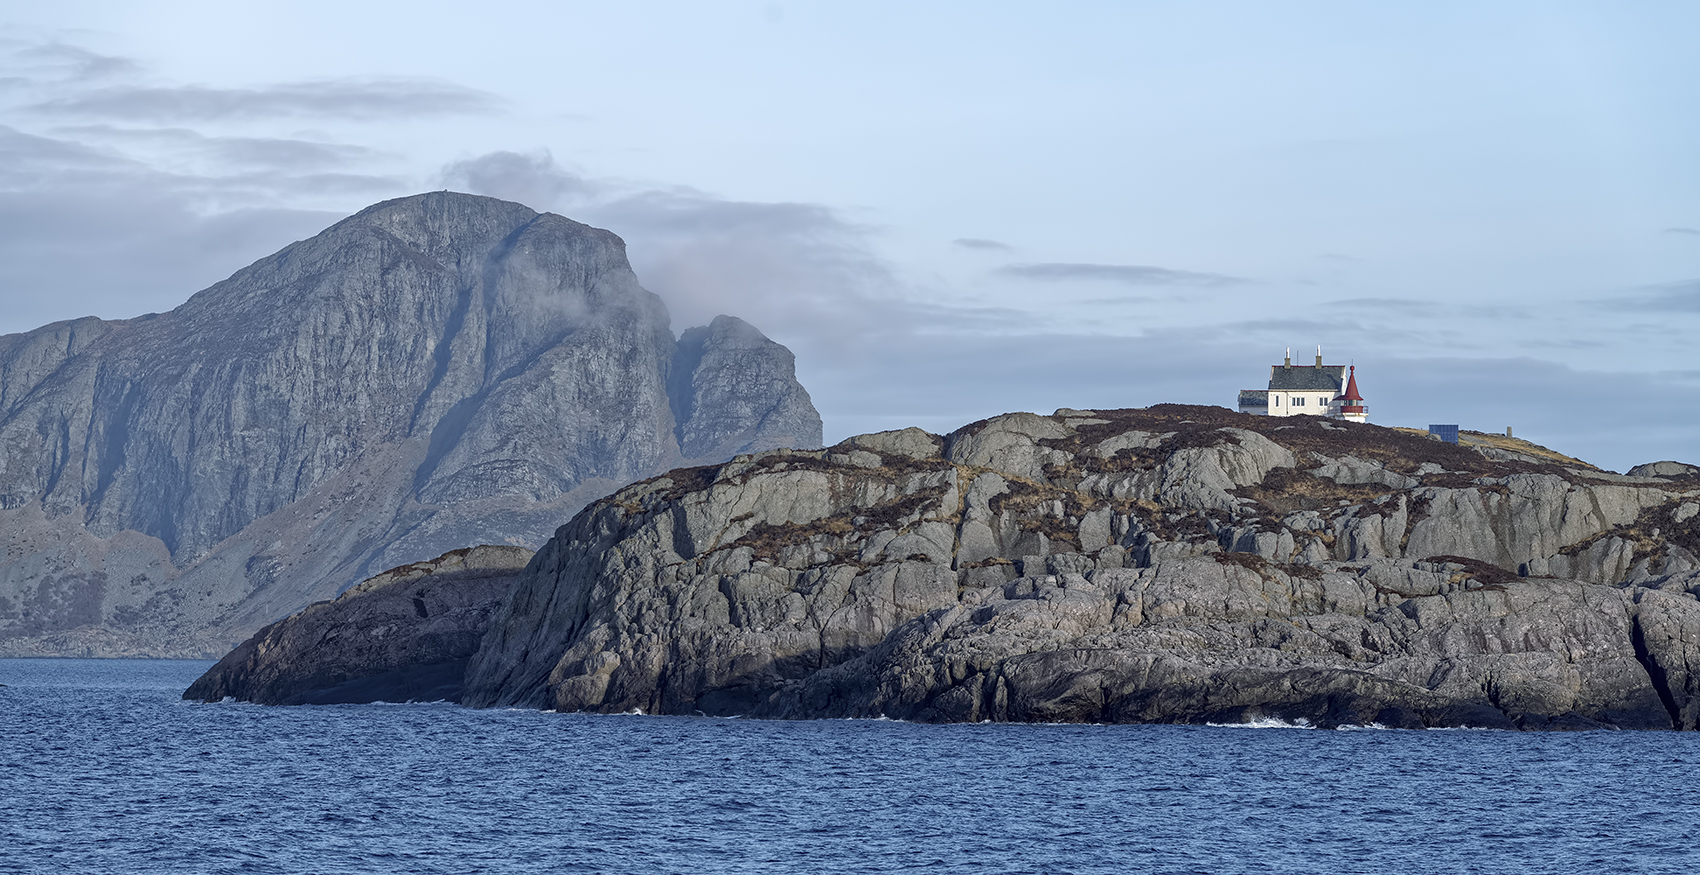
[104, 769]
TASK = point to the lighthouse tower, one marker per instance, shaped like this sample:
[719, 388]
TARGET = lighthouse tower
[1351, 404]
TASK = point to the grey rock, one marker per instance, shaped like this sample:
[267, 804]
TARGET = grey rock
[1664, 469]
[1011, 444]
[959, 587]
[735, 391]
[403, 635]
[1352, 470]
[911, 443]
[435, 371]
[1199, 641]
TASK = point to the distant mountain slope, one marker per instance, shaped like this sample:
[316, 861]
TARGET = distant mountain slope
[434, 372]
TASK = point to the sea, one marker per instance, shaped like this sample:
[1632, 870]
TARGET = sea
[103, 768]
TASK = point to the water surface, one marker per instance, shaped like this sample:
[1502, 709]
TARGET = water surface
[104, 769]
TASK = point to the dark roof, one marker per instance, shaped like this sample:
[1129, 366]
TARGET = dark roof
[1254, 397]
[1307, 378]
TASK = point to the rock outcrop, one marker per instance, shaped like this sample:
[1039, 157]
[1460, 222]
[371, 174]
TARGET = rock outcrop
[732, 389]
[1172, 564]
[435, 371]
[403, 635]
[1665, 469]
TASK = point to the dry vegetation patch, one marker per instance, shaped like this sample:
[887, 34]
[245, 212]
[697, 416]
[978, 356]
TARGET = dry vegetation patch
[1287, 490]
[1518, 445]
[1486, 573]
[1653, 532]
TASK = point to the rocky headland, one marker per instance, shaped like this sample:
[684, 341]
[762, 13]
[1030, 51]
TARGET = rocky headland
[403, 635]
[1170, 564]
[432, 372]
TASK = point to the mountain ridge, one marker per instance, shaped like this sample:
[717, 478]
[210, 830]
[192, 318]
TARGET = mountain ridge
[434, 371]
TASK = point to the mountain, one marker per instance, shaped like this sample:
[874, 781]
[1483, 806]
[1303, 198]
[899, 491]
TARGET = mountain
[433, 372]
[1171, 564]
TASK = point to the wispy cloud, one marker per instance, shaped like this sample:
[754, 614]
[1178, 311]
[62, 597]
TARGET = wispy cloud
[1690, 231]
[273, 152]
[1561, 344]
[26, 157]
[1120, 300]
[1408, 306]
[1677, 297]
[797, 270]
[1127, 274]
[61, 62]
[356, 99]
[107, 208]
[534, 179]
[983, 245]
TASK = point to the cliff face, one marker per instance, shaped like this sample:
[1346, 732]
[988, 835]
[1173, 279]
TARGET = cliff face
[1170, 564]
[403, 635]
[433, 372]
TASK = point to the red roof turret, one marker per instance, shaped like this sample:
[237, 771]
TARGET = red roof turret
[1354, 401]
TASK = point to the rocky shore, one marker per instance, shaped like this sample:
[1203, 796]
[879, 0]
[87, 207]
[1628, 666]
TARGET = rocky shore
[1169, 564]
[404, 635]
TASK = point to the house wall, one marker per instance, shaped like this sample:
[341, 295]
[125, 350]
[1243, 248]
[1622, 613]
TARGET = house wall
[1315, 403]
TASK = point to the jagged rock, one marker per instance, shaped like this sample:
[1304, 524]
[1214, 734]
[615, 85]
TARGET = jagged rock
[911, 443]
[1204, 641]
[435, 371]
[403, 635]
[1170, 564]
[734, 390]
[1664, 469]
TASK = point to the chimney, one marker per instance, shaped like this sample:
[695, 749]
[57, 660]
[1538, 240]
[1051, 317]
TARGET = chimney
[1289, 360]
[1508, 431]
[1319, 355]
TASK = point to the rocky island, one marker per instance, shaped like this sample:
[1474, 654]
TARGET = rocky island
[1169, 564]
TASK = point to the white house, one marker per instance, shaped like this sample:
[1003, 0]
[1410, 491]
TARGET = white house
[1308, 390]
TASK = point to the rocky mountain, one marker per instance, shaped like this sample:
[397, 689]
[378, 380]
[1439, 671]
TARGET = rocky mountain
[1172, 564]
[433, 372]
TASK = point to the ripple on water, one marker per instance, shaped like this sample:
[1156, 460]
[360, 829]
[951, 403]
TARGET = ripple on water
[107, 771]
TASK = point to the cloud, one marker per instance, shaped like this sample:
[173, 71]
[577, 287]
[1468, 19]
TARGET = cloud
[1120, 300]
[271, 152]
[61, 62]
[534, 180]
[26, 158]
[1562, 343]
[985, 245]
[1380, 303]
[1129, 274]
[795, 270]
[118, 221]
[1692, 231]
[1405, 306]
[347, 99]
[253, 173]
[1499, 312]
[1678, 297]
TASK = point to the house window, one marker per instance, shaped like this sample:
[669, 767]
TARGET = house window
[1299, 401]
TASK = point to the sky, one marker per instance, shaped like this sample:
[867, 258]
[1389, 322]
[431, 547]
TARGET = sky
[946, 210]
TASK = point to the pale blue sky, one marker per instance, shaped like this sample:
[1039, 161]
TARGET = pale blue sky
[946, 210]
